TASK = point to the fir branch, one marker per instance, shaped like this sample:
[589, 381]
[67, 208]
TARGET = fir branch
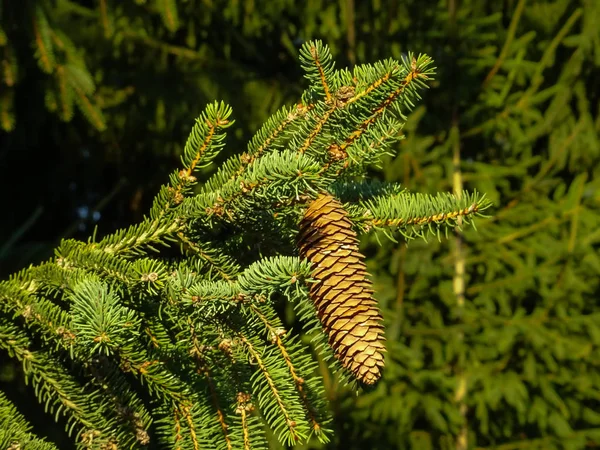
[230, 170]
[373, 88]
[269, 180]
[43, 44]
[129, 408]
[384, 73]
[222, 264]
[228, 378]
[382, 131]
[185, 409]
[546, 441]
[408, 213]
[3, 37]
[317, 116]
[168, 12]
[271, 136]
[275, 274]
[89, 110]
[257, 282]
[9, 66]
[220, 414]
[85, 338]
[15, 431]
[102, 325]
[74, 254]
[203, 143]
[277, 125]
[275, 333]
[147, 234]
[54, 386]
[153, 373]
[65, 94]
[175, 50]
[204, 294]
[419, 70]
[178, 424]
[243, 409]
[80, 78]
[317, 128]
[510, 35]
[105, 20]
[279, 415]
[316, 60]
[7, 115]
[365, 145]
[40, 314]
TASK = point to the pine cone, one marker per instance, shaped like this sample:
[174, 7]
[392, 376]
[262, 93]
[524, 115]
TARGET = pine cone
[343, 295]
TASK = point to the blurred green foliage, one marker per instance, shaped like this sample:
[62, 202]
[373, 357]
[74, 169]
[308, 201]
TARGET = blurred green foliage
[514, 113]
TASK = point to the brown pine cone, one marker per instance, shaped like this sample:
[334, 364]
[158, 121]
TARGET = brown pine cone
[343, 295]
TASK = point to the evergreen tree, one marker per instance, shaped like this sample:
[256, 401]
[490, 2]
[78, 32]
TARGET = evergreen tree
[127, 343]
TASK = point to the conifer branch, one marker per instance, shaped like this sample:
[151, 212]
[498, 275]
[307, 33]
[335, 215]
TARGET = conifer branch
[286, 427]
[546, 441]
[43, 43]
[153, 373]
[268, 180]
[15, 429]
[418, 70]
[9, 64]
[317, 128]
[383, 78]
[91, 112]
[104, 20]
[204, 143]
[168, 11]
[175, 50]
[7, 117]
[185, 409]
[146, 234]
[408, 213]
[270, 137]
[316, 59]
[510, 35]
[275, 334]
[182, 412]
[274, 128]
[220, 414]
[65, 94]
[54, 386]
[41, 314]
[157, 380]
[225, 267]
[243, 407]
[74, 255]
[197, 330]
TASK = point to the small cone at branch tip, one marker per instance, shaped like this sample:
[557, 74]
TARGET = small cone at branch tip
[343, 296]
